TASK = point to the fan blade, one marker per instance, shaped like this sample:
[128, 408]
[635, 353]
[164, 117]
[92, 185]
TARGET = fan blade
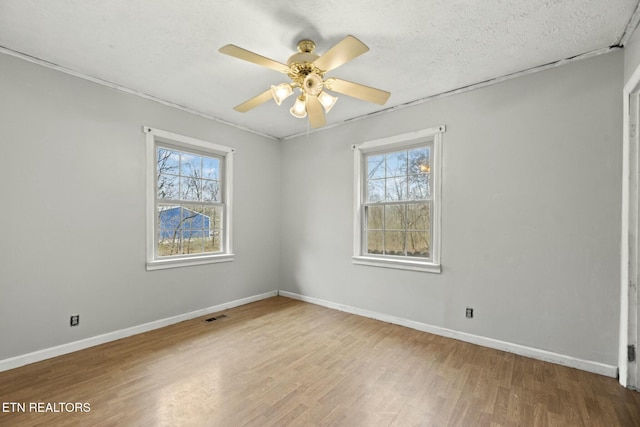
[314, 110]
[254, 102]
[246, 55]
[359, 91]
[343, 52]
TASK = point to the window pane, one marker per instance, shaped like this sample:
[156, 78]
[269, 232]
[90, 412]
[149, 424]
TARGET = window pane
[192, 241]
[190, 188]
[394, 242]
[190, 165]
[169, 217]
[396, 163]
[419, 160]
[192, 219]
[418, 217]
[374, 242]
[375, 167]
[167, 186]
[374, 216]
[169, 231]
[419, 188]
[211, 191]
[396, 189]
[189, 234]
[418, 244]
[213, 243]
[394, 217]
[189, 230]
[168, 242]
[167, 161]
[211, 168]
[375, 190]
[213, 216]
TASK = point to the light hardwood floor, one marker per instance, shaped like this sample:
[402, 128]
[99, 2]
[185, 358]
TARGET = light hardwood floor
[284, 362]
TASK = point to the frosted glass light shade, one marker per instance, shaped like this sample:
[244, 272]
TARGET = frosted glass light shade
[299, 109]
[281, 92]
[327, 100]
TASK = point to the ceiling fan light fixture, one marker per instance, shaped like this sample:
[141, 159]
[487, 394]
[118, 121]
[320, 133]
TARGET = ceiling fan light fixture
[281, 92]
[307, 70]
[327, 101]
[299, 109]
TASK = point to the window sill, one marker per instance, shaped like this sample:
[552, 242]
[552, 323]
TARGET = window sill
[186, 262]
[400, 264]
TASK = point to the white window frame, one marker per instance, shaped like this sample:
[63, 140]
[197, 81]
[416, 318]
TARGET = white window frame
[156, 137]
[406, 140]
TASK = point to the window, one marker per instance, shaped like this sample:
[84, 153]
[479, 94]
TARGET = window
[397, 207]
[189, 186]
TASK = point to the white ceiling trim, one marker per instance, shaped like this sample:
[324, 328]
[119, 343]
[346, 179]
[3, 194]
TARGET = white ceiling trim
[47, 64]
[120, 88]
[168, 52]
[467, 88]
[631, 27]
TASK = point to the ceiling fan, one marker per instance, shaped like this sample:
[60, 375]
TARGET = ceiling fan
[307, 71]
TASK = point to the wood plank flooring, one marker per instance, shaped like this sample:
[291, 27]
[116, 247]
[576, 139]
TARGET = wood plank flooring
[281, 362]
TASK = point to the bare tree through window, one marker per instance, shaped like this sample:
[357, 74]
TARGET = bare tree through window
[398, 203]
[189, 209]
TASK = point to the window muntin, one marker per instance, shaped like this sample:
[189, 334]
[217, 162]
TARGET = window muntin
[189, 184]
[397, 219]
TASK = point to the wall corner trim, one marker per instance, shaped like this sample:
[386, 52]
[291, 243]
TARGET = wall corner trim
[534, 353]
[48, 353]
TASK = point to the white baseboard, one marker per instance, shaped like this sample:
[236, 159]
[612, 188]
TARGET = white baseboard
[547, 356]
[47, 353]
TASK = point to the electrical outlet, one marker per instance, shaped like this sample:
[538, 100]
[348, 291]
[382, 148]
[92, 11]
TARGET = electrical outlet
[469, 313]
[75, 320]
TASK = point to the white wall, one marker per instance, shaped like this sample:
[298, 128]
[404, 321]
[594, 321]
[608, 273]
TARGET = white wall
[72, 188]
[531, 213]
[631, 55]
[628, 295]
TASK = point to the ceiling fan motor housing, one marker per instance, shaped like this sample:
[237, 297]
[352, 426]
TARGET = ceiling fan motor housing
[305, 53]
[302, 68]
[301, 58]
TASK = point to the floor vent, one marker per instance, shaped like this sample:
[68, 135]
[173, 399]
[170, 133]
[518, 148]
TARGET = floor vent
[211, 319]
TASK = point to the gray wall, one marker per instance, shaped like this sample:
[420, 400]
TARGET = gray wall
[531, 213]
[72, 185]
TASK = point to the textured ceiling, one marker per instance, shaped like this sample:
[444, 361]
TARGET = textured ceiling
[168, 49]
